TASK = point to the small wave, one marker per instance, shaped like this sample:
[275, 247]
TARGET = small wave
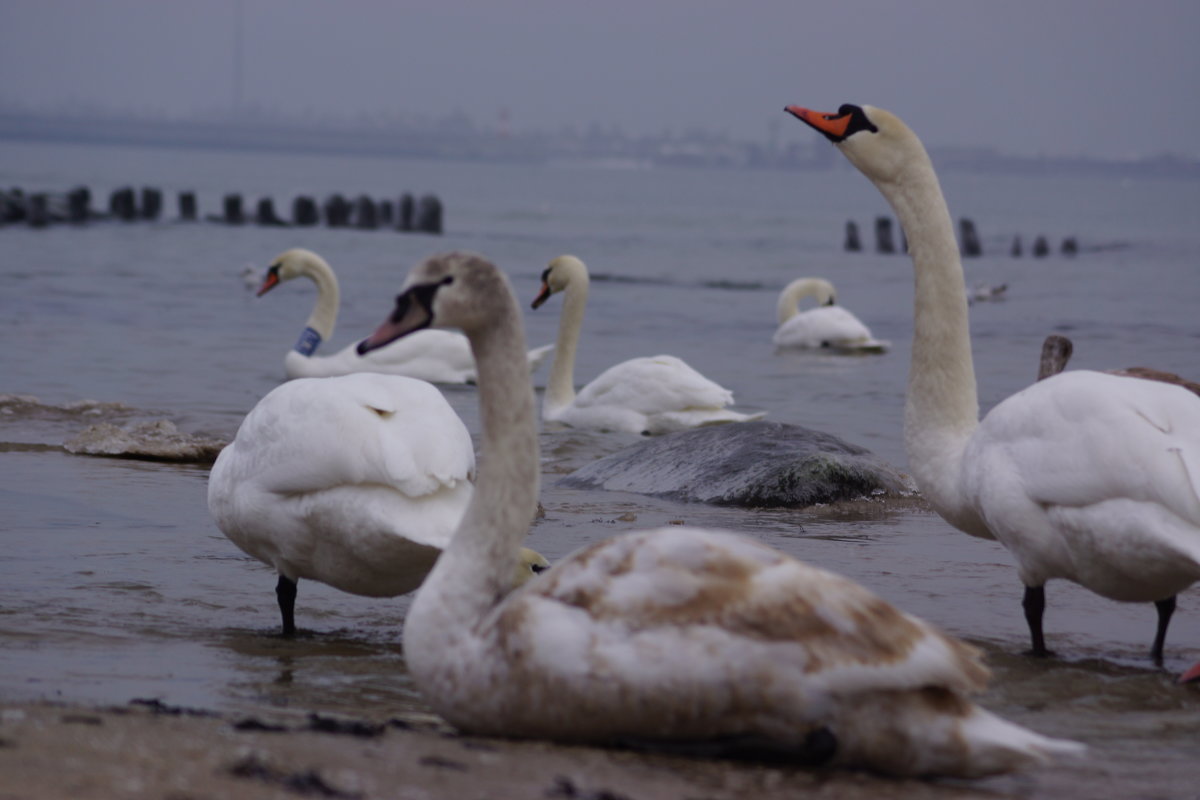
[159, 440]
[30, 406]
[610, 277]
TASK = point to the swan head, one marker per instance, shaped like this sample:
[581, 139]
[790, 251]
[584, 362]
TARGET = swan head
[454, 290]
[875, 141]
[287, 265]
[558, 275]
[531, 564]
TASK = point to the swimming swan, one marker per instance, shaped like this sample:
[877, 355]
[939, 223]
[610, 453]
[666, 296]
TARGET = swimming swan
[826, 327]
[355, 481]
[675, 634]
[1085, 476]
[435, 356]
[648, 395]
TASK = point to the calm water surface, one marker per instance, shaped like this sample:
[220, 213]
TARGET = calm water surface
[114, 582]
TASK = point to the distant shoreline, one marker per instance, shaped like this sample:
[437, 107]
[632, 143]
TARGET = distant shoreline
[465, 142]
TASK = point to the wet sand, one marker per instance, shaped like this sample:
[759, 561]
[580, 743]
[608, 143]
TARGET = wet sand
[148, 749]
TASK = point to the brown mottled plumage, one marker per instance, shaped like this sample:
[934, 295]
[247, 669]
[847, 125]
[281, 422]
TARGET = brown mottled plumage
[678, 635]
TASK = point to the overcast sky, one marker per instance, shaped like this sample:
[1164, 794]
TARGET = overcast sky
[1110, 78]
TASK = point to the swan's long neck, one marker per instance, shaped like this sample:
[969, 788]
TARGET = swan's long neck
[789, 299]
[942, 407]
[476, 570]
[560, 389]
[324, 314]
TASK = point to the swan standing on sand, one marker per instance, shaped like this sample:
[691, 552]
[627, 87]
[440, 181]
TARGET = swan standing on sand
[1085, 476]
[826, 327]
[355, 481]
[669, 635]
[648, 395]
[435, 356]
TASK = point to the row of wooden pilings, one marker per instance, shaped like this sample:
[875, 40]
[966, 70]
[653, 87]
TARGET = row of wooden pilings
[41, 209]
[968, 240]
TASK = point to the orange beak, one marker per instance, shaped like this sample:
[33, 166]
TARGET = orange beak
[832, 125]
[542, 296]
[269, 283]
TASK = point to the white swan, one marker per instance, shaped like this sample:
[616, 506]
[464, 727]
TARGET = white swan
[1085, 476]
[435, 356]
[355, 481]
[674, 634]
[826, 327]
[648, 395]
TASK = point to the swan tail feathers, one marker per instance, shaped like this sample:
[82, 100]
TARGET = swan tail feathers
[997, 745]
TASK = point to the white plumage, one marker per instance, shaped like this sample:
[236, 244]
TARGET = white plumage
[655, 394]
[828, 326]
[356, 481]
[1085, 476]
[676, 634]
[435, 356]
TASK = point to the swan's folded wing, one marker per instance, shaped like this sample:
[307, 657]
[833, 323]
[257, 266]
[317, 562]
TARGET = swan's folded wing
[697, 588]
[364, 429]
[652, 385]
[1087, 438]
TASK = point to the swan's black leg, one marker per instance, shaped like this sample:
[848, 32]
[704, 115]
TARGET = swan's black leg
[1165, 609]
[1034, 604]
[285, 590]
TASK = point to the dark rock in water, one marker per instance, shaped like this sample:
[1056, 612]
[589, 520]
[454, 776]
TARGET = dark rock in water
[752, 464]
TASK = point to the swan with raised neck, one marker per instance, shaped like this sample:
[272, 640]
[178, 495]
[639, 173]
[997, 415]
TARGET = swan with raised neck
[675, 634]
[1083, 476]
[435, 356]
[647, 395]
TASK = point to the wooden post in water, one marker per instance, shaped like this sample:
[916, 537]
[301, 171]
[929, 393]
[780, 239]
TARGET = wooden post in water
[265, 214]
[404, 216]
[1041, 247]
[79, 202]
[38, 211]
[151, 202]
[337, 211]
[429, 214]
[968, 238]
[1017, 250]
[366, 216]
[187, 206]
[122, 205]
[304, 211]
[232, 206]
[883, 235]
[853, 243]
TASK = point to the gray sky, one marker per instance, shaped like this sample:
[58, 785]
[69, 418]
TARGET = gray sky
[1055, 77]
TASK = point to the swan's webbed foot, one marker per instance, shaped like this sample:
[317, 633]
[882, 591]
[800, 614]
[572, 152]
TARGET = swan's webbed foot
[1165, 609]
[285, 592]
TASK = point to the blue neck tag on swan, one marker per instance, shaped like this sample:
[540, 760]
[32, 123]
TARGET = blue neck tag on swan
[308, 342]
